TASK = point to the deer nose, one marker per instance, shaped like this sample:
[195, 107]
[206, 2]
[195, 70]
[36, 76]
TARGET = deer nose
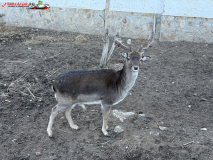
[135, 68]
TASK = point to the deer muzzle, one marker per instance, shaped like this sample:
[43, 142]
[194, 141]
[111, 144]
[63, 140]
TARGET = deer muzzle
[135, 68]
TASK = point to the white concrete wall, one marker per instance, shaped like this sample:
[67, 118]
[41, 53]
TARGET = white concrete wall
[176, 20]
[188, 8]
[143, 6]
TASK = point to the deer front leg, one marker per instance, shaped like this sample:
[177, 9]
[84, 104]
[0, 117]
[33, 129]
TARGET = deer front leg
[55, 111]
[51, 120]
[69, 118]
[105, 113]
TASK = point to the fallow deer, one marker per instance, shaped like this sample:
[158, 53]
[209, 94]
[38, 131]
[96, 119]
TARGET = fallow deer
[106, 87]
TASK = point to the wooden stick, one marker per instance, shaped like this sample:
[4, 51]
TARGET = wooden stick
[16, 62]
[188, 143]
[56, 70]
[31, 93]
[111, 50]
[15, 81]
[103, 60]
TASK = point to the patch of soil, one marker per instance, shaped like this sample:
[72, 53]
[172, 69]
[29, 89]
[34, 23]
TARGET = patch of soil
[174, 90]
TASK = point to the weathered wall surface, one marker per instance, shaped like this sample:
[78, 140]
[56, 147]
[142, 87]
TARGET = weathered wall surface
[136, 25]
[189, 20]
[192, 29]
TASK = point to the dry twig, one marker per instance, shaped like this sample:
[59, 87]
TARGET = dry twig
[31, 93]
[189, 143]
[15, 81]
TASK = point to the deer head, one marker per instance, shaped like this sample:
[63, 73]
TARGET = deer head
[134, 58]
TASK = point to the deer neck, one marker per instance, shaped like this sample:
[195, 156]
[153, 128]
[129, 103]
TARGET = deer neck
[127, 80]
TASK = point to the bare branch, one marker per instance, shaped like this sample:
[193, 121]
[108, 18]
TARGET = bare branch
[102, 17]
[111, 51]
[31, 93]
[121, 29]
[103, 60]
[114, 45]
[15, 81]
[151, 43]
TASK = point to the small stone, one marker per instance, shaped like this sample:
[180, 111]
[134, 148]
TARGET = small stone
[122, 115]
[145, 58]
[29, 48]
[189, 106]
[162, 128]
[14, 140]
[38, 153]
[203, 129]
[142, 115]
[118, 129]
[5, 85]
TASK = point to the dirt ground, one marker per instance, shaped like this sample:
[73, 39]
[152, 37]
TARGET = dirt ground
[174, 93]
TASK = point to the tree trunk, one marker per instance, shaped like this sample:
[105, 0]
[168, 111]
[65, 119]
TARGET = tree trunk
[103, 61]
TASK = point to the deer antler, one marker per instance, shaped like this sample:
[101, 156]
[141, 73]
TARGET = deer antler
[119, 43]
[151, 43]
[129, 44]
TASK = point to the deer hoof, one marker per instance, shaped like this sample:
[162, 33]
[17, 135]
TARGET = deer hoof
[75, 127]
[107, 135]
[108, 129]
[50, 136]
[79, 128]
[50, 133]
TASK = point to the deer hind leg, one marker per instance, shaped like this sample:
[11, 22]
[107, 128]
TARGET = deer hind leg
[55, 111]
[69, 118]
[105, 113]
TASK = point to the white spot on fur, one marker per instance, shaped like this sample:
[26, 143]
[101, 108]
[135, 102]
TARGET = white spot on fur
[130, 81]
